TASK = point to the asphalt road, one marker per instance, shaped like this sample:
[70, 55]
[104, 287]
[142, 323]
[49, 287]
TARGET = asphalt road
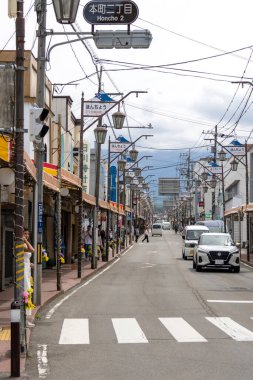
[149, 316]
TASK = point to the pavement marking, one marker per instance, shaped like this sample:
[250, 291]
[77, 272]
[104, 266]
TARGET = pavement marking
[128, 330]
[43, 367]
[55, 307]
[231, 328]
[229, 301]
[75, 331]
[181, 330]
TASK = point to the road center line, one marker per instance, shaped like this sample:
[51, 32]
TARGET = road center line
[229, 301]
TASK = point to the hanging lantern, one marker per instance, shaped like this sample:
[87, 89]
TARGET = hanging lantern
[222, 155]
[234, 165]
[100, 134]
[204, 176]
[213, 183]
[197, 182]
[66, 10]
[118, 119]
[121, 165]
[128, 179]
[133, 154]
[137, 172]
[205, 188]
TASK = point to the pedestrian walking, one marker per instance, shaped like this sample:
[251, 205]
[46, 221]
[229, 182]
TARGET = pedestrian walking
[88, 242]
[145, 236]
[137, 234]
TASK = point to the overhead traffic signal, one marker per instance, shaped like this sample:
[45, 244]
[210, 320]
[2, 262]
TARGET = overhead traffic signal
[38, 128]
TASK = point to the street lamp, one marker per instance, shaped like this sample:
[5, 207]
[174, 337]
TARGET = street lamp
[197, 182]
[234, 165]
[118, 119]
[222, 155]
[137, 172]
[100, 134]
[213, 182]
[121, 165]
[133, 154]
[66, 10]
[204, 175]
[128, 179]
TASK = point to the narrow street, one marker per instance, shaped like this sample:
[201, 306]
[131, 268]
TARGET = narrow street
[149, 315]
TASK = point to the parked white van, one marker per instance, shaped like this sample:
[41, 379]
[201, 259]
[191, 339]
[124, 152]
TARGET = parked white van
[166, 225]
[191, 236]
[157, 229]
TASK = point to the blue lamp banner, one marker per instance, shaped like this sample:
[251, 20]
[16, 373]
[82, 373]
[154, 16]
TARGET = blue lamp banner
[113, 185]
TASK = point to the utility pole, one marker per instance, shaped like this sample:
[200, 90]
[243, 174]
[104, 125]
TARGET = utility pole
[19, 178]
[58, 258]
[80, 216]
[214, 160]
[39, 148]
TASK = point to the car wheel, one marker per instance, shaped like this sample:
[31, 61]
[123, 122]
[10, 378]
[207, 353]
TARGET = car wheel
[193, 264]
[237, 269]
[182, 254]
[198, 268]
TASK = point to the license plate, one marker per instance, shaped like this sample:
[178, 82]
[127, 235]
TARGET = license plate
[219, 262]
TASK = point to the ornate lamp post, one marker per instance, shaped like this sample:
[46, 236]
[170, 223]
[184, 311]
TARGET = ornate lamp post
[65, 10]
[100, 135]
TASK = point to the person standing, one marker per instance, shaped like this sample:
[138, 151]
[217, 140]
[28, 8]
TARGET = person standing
[88, 241]
[137, 234]
[28, 251]
[145, 235]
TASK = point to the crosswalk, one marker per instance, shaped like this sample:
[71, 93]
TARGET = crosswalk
[129, 331]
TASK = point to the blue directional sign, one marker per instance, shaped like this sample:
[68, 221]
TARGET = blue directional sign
[40, 217]
[110, 12]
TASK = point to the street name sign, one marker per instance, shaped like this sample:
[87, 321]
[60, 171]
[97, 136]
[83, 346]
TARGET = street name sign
[117, 147]
[110, 12]
[237, 150]
[96, 108]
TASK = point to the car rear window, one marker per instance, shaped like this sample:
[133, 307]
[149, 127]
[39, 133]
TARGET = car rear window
[194, 234]
[157, 226]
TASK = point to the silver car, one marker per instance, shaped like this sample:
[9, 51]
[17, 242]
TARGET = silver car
[216, 250]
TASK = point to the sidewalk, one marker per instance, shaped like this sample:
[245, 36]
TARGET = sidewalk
[48, 293]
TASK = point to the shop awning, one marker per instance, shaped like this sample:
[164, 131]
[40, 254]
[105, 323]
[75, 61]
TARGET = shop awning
[50, 182]
[104, 204]
[90, 199]
[29, 166]
[69, 179]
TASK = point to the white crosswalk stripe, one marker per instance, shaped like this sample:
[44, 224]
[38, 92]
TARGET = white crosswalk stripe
[181, 330]
[232, 328]
[75, 331]
[128, 330]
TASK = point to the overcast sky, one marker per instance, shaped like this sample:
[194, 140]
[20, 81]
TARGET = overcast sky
[186, 71]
